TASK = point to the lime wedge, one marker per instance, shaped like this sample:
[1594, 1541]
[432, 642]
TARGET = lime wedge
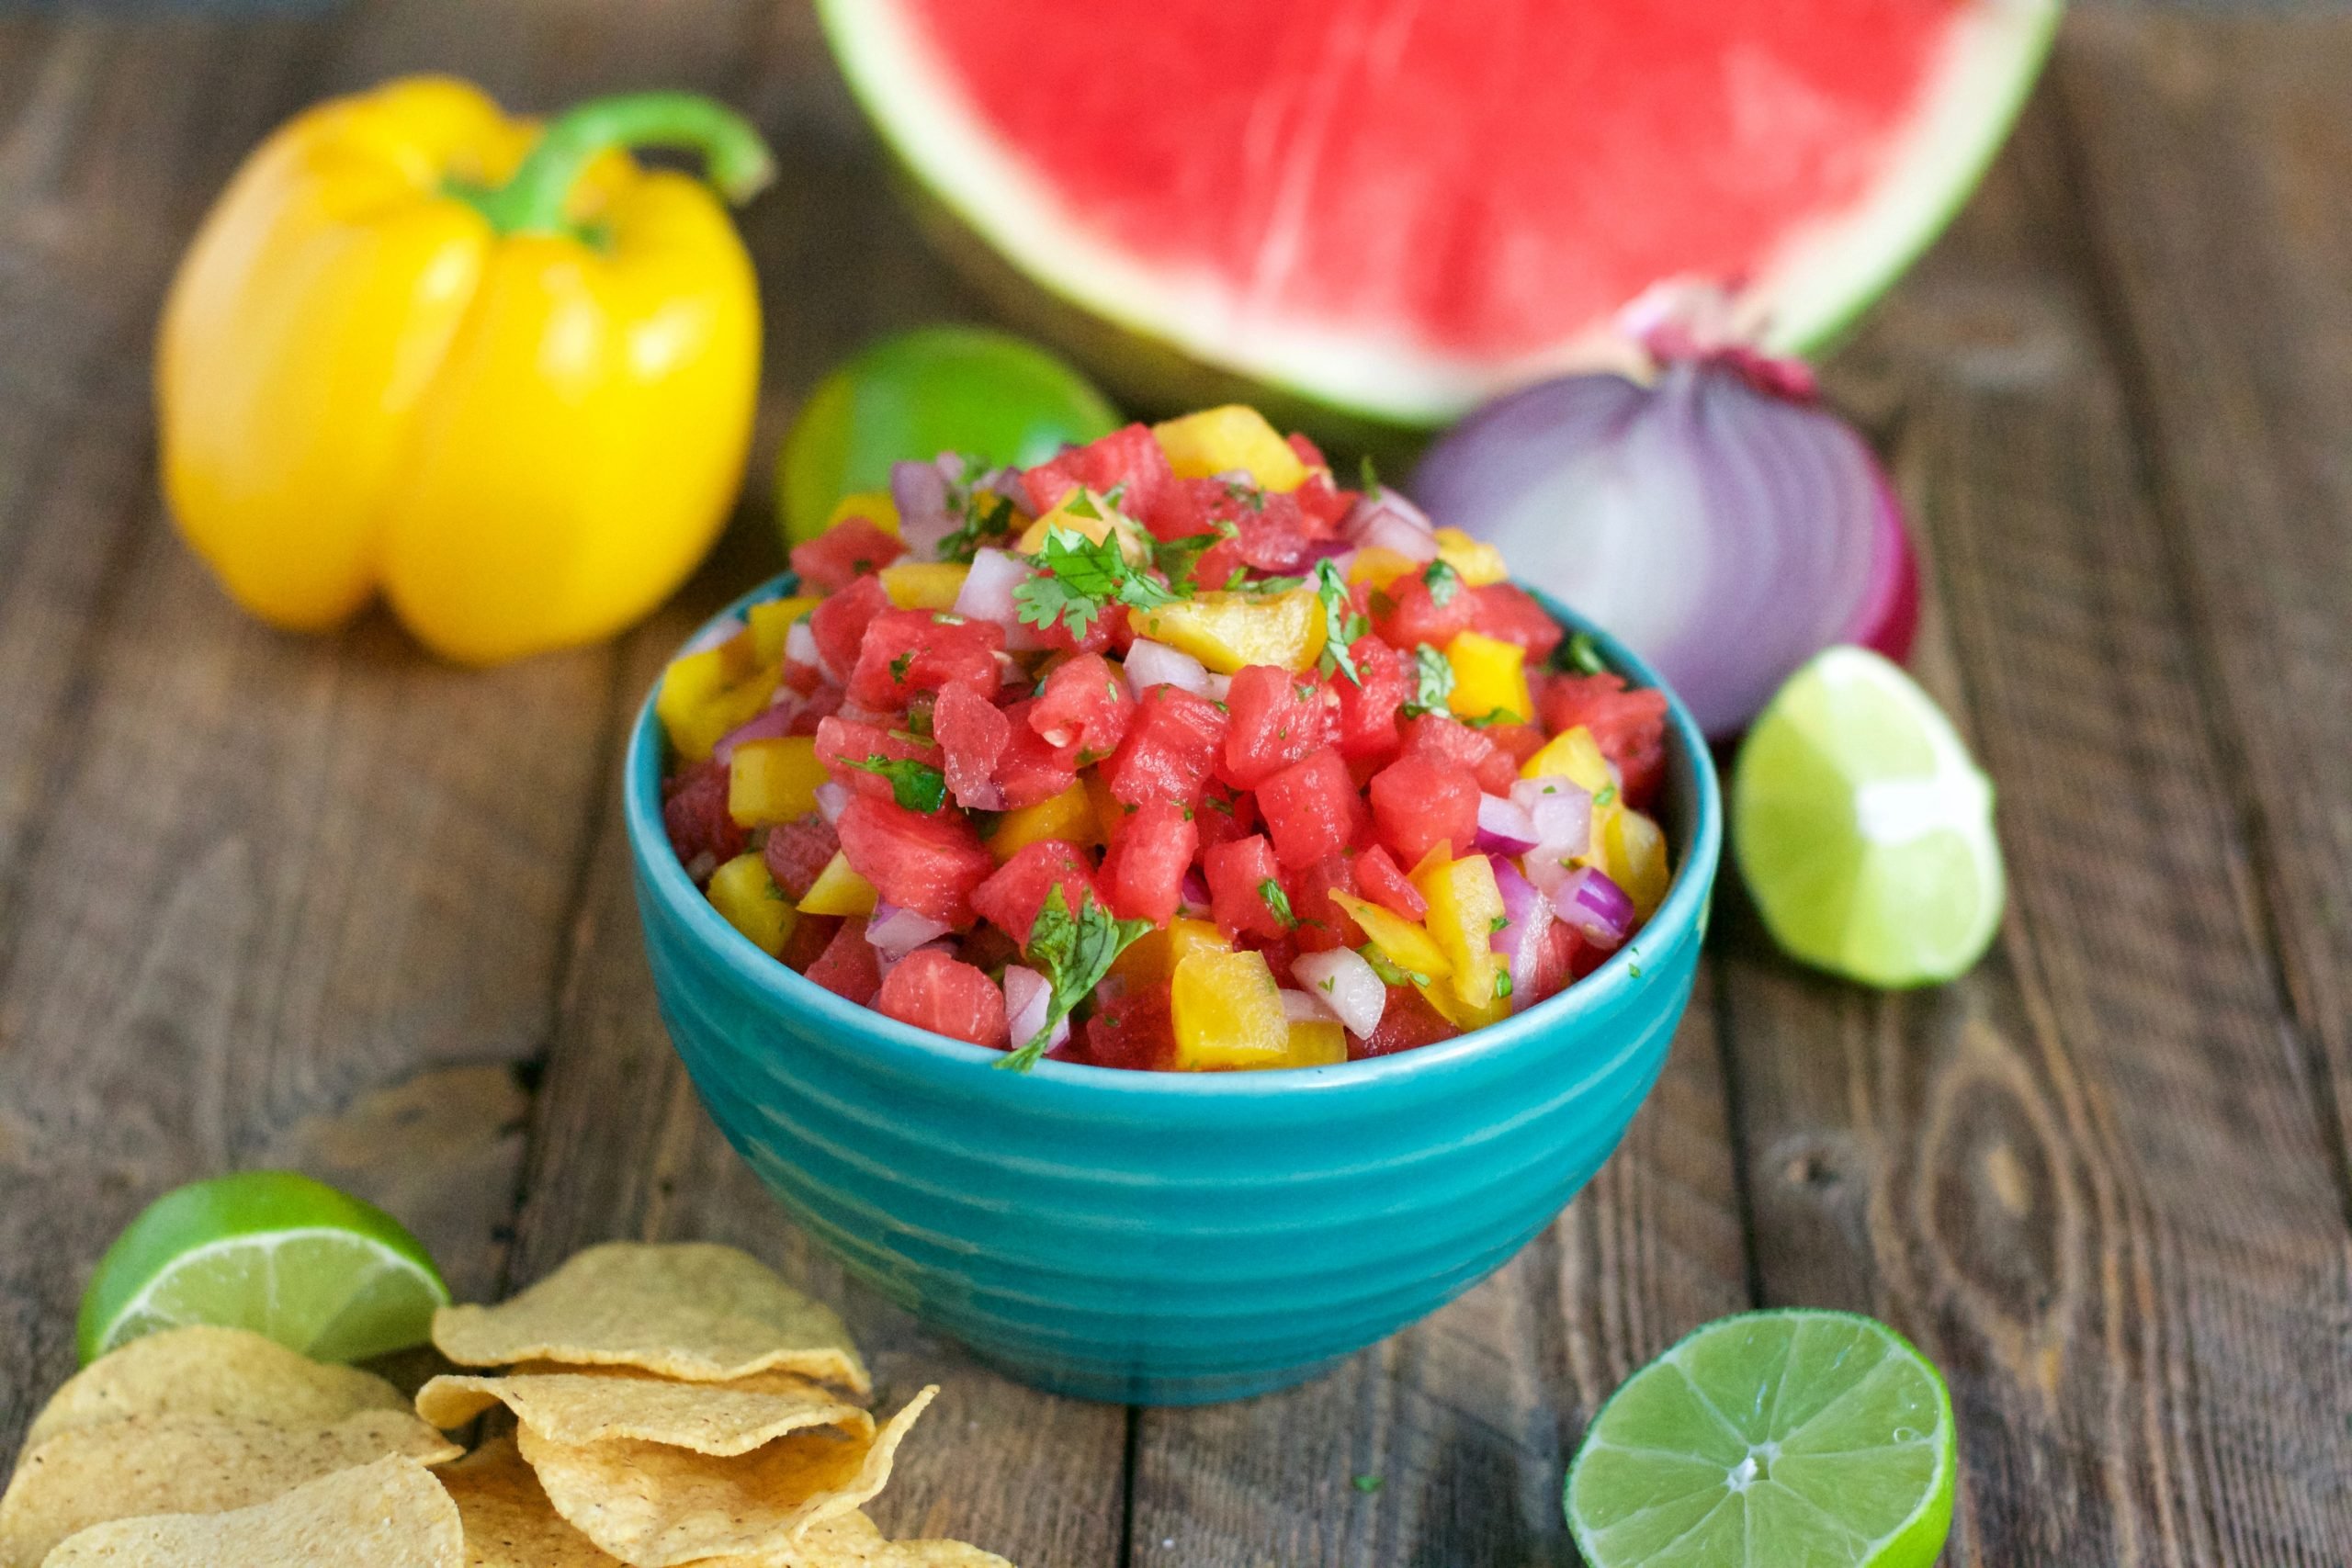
[315, 1269]
[1792, 1438]
[1864, 828]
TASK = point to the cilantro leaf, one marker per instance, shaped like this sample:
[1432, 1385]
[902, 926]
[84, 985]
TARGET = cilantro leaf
[1432, 682]
[1582, 656]
[1179, 559]
[1241, 492]
[1278, 901]
[917, 786]
[1073, 952]
[1240, 581]
[1366, 1484]
[984, 515]
[1443, 582]
[1502, 984]
[1367, 477]
[1390, 975]
[1338, 610]
[1077, 579]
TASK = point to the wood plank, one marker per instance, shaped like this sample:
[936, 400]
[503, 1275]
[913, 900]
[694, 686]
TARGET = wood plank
[2229, 275]
[1466, 1420]
[2088, 1179]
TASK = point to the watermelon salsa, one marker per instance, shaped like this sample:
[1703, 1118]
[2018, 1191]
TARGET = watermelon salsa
[1168, 753]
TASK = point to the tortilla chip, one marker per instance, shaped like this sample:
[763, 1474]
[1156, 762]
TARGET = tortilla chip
[576, 1408]
[692, 1311]
[852, 1541]
[509, 1521]
[210, 1371]
[389, 1513]
[186, 1464]
[654, 1507]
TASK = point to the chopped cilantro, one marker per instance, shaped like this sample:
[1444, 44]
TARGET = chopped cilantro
[982, 514]
[1443, 581]
[1498, 922]
[1582, 656]
[1608, 793]
[1331, 983]
[1635, 970]
[1079, 578]
[1367, 1484]
[1073, 952]
[1239, 581]
[1278, 901]
[1493, 717]
[1241, 492]
[1432, 682]
[901, 665]
[1338, 611]
[1218, 804]
[917, 786]
[1389, 973]
[1179, 559]
[1367, 477]
[1502, 984]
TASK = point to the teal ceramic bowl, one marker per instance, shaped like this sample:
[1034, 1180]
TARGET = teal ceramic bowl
[1167, 1238]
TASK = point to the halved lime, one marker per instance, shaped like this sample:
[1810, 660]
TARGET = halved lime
[1801, 1439]
[1864, 828]
[318, 1270]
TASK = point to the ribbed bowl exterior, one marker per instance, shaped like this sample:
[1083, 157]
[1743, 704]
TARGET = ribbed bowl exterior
[1163, 1238]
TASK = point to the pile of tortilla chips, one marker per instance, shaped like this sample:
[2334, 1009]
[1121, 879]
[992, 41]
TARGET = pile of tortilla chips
[658, 1406]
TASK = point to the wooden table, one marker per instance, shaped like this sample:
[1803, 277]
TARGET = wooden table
[273, 901]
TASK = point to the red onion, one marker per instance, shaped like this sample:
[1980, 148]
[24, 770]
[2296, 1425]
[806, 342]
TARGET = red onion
[920, 493]
[766, 725]
[1383, 519]
[832, 799]
[1527, 915]
[895, 932]
[1156, 664]
[1560, 808]
[1193, 895]
[1596, 907]
[1027, 1000]
[1344, 983]
[986, 595]
[1721, 521]
[1504, 827]
[800, 648]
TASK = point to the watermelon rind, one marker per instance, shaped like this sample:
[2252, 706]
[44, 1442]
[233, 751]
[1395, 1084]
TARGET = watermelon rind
[1810, 293]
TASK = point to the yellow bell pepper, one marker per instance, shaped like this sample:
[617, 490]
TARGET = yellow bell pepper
[1629, 850]
[1380, 566]
[876, 506]
[1316, 1044]
[1224, 440]
[1465, 910]
[1228, 1013]
[1225, 631]
[1477, 563]
[1401, 942]
[840, 890]
[1573, 755]
[1489, 678]
[1094, 519]
[705, 695]
[743, 892]
[504, 377]
[1068, 816]
[923, 584]
[1151, 958]
[773, 780]
[771, 622]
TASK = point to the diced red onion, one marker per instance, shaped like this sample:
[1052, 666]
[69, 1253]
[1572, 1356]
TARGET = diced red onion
[986, 595]
[1027, 1000]
[1382, 519]
[1721, 521]
[1527, 915]
[1596, 907]
[1153, 664]
[832, 799]
[766, 725]
[920, 493]
[1300, 1007]
[1220, 687]
[895, 932]
[1193, 895]
[800, 648]
[1505, 827]
[1560, 808]
[1346, 984]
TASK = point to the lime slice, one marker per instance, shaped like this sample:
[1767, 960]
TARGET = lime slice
[1803, 1439]
[315, 1269]
[1864, 828]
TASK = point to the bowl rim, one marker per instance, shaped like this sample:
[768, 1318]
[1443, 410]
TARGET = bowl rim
[1684, 907]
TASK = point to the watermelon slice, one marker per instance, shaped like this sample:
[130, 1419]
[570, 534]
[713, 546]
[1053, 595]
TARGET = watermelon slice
[1398, 210]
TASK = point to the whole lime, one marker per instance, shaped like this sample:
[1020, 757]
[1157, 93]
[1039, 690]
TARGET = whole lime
[986, 394]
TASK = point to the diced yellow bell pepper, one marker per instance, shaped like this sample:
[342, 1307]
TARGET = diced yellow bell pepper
[1465, 910]
[1318, 1043]
[1069, 816]
[1405, 944]
[773, 780]
[1220, 441]
[743, 892]
[1477, 562]
[1380, 566]
[875, 506]
[1187, 936]
[772, 622]
[924, 584]
[1629, 850]
[1573, 755]
[1134, 543]
[1225, 631]
[1489, 677]
[839, 890]
[705, 694]
[1153, 957]
[1228, 1013]
[1441, 995]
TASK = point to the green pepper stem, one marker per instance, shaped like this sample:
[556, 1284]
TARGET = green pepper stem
[735, 159]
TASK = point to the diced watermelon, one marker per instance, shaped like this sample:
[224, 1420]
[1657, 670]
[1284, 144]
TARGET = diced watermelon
[1323, 925]
[1448, 740]
[817, 706]
[1312, 809]
[1280, 952]
[1390, 888]
[849, 967]
[1238, 874]
[1368, 709]
[850, 548]
[1509, 614]
[1011, 896]
[908, 651]
[843, 743]
[1628, 726]
[1418, 802]
[972, 733]
[1274, 718]
[1133, 1030]
[1323, 504]
[1170, 746]
[838, 624]
[1130, 461]
[1556, 961]
[695, 812]
[946, 996]
[1029, 770]
[922, 863]
[1406, 1023]
[1223, 814]
[797, 852]
[812, 934]
[1517, 741]
[1104, 633]
[1143, 876]
[1084, 709]
[1404, 614]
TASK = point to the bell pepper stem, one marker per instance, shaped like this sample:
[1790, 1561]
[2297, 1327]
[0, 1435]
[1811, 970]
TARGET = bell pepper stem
[735, 159]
